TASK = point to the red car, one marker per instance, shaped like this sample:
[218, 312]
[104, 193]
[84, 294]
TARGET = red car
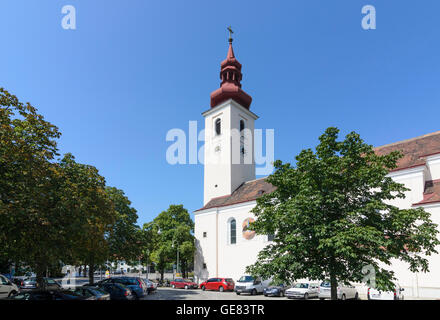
[183, 283]
[220, 284]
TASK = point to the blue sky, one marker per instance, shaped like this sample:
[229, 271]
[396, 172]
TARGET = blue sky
[134, 69]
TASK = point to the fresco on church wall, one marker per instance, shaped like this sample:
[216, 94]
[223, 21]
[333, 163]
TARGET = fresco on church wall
[248, 234]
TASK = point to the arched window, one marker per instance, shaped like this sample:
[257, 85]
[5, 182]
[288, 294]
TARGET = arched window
[232, 231]
[241, 125]
[218, 126]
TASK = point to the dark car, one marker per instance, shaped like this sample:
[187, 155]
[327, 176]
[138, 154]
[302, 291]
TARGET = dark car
[94, 293]
[135, 284]
[183, 283]
[275, 291]
[48, 295]
[117, 291]
[220, 284]
[31, 284]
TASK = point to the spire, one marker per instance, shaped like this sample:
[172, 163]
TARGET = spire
[230, 86]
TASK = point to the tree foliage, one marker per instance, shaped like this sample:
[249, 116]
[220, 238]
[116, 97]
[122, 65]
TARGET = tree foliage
[55, 211]
[332, 215]
[170, 231]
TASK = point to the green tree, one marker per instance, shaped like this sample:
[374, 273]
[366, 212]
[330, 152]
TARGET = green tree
[93, 213]
[176, 233]
[29, 191]
[331, 216]
[125, 237]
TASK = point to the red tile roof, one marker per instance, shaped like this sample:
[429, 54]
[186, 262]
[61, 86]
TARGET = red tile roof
[248, 191]
[414, 150]
[431, 193]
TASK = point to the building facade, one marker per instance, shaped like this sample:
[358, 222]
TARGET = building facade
[224, 246]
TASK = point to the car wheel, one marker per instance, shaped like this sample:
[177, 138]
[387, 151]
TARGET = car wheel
[321, 298]
[186, 287]
[174, 287]
[221, 289]
[356, 297]
[12, 293]
[254, 292]
[203, 288]
[343, 296]
[306, 296]
[238, 293]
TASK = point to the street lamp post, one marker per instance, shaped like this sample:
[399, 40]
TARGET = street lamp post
[177, 266]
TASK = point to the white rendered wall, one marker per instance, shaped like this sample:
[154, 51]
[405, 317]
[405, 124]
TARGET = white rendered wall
[232, 258]
[221, 176]
[226, 260]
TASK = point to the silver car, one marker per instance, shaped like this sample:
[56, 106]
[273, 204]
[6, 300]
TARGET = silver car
[343, 291]
[303, 290]
[7, 288]
[374, 294]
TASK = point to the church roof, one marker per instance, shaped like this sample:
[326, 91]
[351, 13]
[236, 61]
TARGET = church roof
[431, 193]
[247, 191]
[414, 150]
[230, 86]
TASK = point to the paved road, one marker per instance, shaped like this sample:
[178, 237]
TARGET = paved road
[197, 294]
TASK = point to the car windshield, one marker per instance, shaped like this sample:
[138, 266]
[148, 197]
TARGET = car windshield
[246, 279]
[326, 284]
[301, 285]
[229, 280]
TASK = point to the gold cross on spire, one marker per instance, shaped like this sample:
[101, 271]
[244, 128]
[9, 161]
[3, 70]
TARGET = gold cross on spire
[230, 33]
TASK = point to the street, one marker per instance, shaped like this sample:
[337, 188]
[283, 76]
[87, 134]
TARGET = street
[197, 294]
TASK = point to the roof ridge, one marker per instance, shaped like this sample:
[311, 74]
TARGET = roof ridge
[408, 140]
[255, 179]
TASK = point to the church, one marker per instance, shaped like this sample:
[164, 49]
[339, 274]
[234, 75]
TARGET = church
[224, 245]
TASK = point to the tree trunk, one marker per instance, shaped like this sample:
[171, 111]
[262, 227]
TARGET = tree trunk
[333, 280]
[91, 271]
[40, 272]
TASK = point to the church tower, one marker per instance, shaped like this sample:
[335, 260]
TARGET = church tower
[229, 133]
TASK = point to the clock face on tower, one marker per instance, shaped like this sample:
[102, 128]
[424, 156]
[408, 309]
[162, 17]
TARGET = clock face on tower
[248, 234]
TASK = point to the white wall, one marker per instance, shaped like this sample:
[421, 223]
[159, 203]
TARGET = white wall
[232, 258]
[221, 177]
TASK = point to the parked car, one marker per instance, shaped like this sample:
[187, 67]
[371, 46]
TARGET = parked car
[275, 290]
[303, 290]
[94, 293]
[7, 288]
[248, 284]
[374, 294]
[150, 285]
[220, 284]
[117, 291]
[135, 284]
[31, 284]
[180, 283]
[18, 281]
[343, 291]
[48, 295]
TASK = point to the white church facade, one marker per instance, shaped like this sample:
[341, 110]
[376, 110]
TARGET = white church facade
[224, 246]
